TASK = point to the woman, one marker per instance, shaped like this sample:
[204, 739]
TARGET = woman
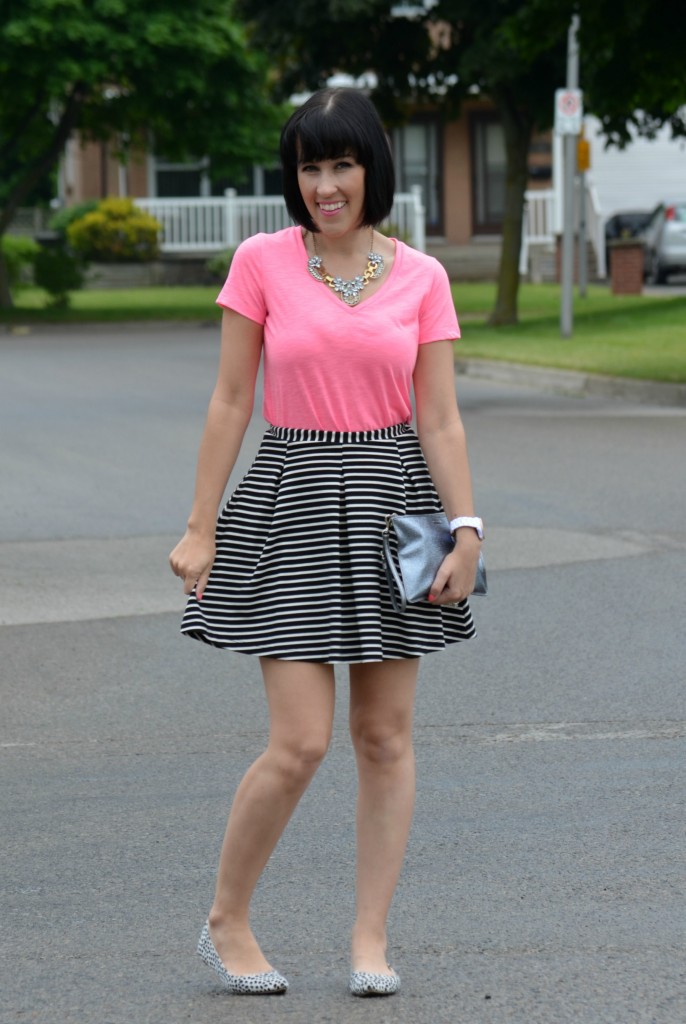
[291, 572]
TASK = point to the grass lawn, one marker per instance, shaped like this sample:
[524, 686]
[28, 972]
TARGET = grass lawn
[109, 305]
[624, 336]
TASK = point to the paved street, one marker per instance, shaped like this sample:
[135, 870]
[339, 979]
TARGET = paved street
[545, 876]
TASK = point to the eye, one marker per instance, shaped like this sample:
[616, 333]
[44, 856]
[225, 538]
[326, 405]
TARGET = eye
[344, 164]
[307, 168]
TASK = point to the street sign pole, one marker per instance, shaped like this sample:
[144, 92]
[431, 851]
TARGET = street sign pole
[566, 306]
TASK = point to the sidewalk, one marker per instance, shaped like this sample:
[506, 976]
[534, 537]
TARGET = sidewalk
[571, 382]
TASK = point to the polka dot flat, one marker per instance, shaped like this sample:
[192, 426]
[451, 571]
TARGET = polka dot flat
[362, 983]
[270, 983]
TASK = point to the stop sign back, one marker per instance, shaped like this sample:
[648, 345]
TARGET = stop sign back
[569, 111]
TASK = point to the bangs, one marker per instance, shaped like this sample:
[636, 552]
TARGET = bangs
[326, 136]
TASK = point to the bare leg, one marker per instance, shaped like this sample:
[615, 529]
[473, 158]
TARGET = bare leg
[381, 714]
[301, 704]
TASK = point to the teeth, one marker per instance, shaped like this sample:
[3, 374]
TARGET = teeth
[329, 207]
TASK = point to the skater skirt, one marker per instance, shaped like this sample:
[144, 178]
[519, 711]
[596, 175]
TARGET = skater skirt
[298, 573]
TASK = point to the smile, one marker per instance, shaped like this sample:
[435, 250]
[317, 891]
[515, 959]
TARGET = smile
[331, 207]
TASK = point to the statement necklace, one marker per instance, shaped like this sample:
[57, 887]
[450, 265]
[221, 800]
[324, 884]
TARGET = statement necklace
[349, 291]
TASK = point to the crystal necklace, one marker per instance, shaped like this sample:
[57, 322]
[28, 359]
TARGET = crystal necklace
[349, 291]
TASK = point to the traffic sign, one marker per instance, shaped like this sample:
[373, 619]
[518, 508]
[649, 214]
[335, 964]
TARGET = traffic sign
[569, 111]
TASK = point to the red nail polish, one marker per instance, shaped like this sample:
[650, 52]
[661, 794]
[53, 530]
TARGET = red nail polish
[431, 597]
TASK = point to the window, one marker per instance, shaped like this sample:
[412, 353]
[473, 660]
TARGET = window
[417, 162]
[488, 171]
[176, 181]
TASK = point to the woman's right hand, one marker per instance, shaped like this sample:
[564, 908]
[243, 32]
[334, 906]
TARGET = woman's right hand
[192, 559]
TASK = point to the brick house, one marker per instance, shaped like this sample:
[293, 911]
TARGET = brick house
[459, 164]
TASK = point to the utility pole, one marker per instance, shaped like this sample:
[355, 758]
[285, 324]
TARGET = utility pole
[569, 153]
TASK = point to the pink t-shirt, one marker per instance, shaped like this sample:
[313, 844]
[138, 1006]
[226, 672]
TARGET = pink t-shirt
[329, 366]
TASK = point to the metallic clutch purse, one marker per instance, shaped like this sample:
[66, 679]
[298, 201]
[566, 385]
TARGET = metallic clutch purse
[422, 543]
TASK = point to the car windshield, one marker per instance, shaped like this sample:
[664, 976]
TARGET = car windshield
[680, 212]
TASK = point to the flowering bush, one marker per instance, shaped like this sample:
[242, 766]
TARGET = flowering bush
[116, 231]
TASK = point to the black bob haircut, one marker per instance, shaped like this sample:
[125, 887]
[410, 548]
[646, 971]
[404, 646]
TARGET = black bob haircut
[335, 123]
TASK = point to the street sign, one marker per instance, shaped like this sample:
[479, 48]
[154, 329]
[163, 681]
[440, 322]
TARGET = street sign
[569, 111]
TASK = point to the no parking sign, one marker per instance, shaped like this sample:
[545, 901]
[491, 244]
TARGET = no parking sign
[569, 111]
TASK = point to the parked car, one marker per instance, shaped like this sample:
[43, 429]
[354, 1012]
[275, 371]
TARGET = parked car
[664, 241]
[627, 224]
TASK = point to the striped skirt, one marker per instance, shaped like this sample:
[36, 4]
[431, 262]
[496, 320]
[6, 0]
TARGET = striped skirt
[298, 573]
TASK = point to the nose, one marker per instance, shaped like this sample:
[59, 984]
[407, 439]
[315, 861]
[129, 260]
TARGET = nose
[326, 185]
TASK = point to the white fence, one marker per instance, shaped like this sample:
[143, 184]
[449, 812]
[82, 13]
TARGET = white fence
[30, 221]
[539, 225]
[213, 223]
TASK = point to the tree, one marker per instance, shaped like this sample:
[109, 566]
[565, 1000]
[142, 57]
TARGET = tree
[183, 77]
[496, 49]
[512, 51]
[632, 67]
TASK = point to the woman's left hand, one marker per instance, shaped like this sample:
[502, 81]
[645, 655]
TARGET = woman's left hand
[457, 573]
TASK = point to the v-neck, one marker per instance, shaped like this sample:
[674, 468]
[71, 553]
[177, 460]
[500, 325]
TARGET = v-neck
[333, 296]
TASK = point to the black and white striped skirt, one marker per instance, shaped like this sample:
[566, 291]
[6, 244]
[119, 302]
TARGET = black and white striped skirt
[299, 574]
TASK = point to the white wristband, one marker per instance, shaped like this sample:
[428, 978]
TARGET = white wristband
[473, 521]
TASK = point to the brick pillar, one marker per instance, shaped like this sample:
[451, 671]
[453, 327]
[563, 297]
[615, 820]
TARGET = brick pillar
[626, 266]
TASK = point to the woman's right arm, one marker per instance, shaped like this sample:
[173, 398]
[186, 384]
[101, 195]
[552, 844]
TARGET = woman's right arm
[228, 416]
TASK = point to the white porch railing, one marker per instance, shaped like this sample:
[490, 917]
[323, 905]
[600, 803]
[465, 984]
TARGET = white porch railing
[189, 225]
[595, 228]
[537, 224]
[212, 223]
[539, 220]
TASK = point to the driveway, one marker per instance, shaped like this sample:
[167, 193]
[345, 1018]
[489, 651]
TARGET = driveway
[545, 875]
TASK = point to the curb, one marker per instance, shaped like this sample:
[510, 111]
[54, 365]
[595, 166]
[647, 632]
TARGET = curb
[572, 382]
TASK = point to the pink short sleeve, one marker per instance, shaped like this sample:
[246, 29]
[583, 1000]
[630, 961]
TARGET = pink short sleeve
[437, 317]
[328, 366]
[243, 289]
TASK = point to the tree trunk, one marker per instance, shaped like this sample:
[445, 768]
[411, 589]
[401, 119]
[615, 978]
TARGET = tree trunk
[5, 293]
[517, 126]
[34, 171]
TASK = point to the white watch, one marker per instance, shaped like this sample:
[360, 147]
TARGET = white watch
[473, 521]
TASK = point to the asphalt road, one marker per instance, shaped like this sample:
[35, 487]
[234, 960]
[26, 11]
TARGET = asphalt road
[545, 876]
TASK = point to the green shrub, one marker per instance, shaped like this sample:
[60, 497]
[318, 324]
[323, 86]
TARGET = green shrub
[59, 271]
[219, 265]
[392, 230]
[63, 218]
[116, 231]
[19, 254]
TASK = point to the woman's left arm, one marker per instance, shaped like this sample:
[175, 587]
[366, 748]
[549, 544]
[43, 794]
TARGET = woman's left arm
[442, 437]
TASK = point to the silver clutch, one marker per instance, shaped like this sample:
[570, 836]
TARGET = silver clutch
[422, 542]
